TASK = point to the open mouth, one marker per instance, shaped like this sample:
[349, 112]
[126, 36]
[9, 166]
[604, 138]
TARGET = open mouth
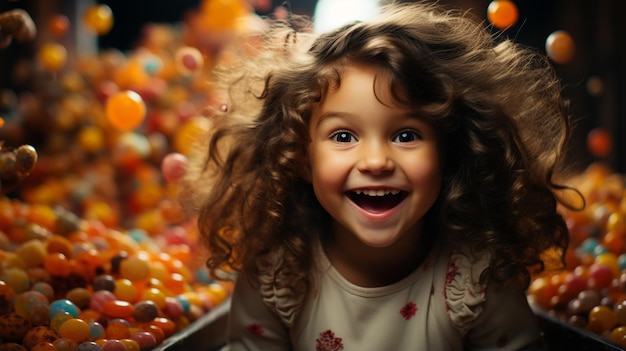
[377, 201]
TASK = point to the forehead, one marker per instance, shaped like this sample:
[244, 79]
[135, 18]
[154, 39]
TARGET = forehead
[366, 79]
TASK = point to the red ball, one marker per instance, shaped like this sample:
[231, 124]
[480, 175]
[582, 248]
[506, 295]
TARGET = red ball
[599, 142]
[600, 276]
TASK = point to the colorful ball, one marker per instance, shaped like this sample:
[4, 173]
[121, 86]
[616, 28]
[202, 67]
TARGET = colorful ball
[188, 133]
[64, 306]
[38, 334]
[560, 47]
[26, 303]
[75, 329]
[96, 330]
[599, 142]
[145, 339]
[188, 60]
[100, 298]
[52, 56]
[91, 139]
[114, 345]
[57, 320]
[218, 16]
[58, 24]
[502, 13]
[145, 311]
[135, 269]
[174, 166]
[98, 18]
[125, 290]
[64, 344]
[125, 110]
[13, 327]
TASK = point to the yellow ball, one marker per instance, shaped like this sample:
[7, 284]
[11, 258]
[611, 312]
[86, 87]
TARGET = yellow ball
[52, 56]
[91, 139]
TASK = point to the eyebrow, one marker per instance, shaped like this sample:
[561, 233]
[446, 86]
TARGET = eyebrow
[337, 114]
[332, 114]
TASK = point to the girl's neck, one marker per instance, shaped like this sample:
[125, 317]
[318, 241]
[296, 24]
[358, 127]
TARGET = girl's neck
[368, 266]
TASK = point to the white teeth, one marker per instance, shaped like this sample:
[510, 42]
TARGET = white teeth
[377, 192]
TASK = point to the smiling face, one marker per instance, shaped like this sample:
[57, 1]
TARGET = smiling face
[374, 167]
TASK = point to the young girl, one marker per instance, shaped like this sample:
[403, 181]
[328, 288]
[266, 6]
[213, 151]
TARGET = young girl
[385, 186]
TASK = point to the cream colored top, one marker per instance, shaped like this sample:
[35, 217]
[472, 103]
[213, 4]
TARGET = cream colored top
[440, 306]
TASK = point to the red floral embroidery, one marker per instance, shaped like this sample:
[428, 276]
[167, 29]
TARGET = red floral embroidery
[408, 311]
[328, 342]
[255, 329]
[502, 341]
[451, 272]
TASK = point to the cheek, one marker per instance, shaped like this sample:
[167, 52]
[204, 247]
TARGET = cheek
[426, 174]
[328, 171]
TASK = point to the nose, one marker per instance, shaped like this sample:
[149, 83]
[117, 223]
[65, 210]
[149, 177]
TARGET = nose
[376, 159]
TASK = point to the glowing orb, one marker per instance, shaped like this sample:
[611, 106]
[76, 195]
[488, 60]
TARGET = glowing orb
[52, 56]
[91, 139]
[98, 18]
[221, 15]
[560, 46]
[58, 25]
[125, 110]
[502, 13]
[599, 142]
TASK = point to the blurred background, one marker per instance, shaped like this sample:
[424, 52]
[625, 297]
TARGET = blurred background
[100, 106]
[593, 78]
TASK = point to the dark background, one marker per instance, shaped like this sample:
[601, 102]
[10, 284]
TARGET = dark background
[597, 27]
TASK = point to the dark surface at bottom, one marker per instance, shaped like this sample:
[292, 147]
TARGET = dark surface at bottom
[208, 332]
[560, 335]
[205, 334]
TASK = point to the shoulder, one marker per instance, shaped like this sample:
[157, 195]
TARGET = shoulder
[464, 292]
[481, 309]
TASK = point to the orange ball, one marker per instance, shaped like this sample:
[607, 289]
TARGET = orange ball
[125, 110]
[221, 15]
[57, 265]
[75, 329]
[98, 18]
[117, 309]
[165, 324]
[560, 47]
[117, 330]
[502, 13]
[59, 24]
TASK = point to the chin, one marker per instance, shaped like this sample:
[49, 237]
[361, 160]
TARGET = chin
[378, 244]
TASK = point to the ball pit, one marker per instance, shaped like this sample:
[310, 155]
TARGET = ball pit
[95, 251]
[590, 293]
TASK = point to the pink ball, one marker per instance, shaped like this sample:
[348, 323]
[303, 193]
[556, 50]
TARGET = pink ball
[114, 345]
[173, 308]
[177, 235]
[146, 340]
[174, 166]
[100, 298]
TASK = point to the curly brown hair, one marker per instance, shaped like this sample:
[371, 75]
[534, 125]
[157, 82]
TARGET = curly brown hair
[497, 105]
